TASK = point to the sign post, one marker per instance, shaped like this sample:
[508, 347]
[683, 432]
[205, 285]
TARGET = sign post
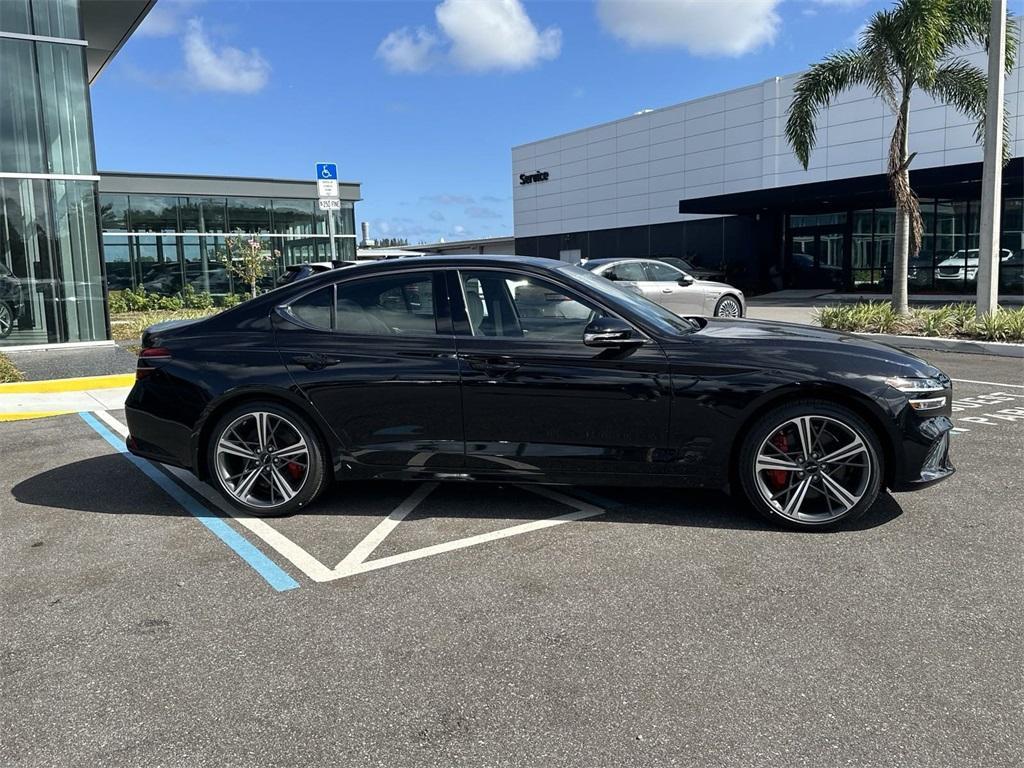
[328, 198]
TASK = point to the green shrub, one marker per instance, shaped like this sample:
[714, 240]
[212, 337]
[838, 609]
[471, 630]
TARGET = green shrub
[230, 300]
[116, 302]
[956, 320]
[192, 299]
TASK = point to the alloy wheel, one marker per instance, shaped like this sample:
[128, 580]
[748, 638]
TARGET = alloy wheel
[6, 320]
[728, 307]
[813, 469]
[262, 460]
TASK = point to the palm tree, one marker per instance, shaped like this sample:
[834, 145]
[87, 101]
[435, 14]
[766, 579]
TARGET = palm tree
[914, 44]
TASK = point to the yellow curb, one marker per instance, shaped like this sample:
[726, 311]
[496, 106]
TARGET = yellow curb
[32, 415]
[79, 384]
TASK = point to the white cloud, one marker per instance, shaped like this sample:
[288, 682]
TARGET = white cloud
[161, 21]
[473, 35]
[704, 27]
[227, 69]
[406, 51]
[495, 34]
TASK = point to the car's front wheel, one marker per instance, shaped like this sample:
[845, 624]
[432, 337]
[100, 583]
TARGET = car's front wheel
[265, 459]
[728, 306]
[6, 319]
[811, 464]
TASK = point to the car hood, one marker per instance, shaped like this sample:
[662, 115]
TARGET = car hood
[779, 345]
[715, 285]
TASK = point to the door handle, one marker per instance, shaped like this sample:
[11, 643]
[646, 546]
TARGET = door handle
[493, 364]
[315, 361]
[667, 290]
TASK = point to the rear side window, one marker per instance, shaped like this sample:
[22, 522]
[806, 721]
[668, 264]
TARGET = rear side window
[382, 306]
[315, 308]
[628, 271]
[661, 272]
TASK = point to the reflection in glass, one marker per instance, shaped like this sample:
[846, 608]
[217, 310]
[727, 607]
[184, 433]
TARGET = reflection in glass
[14, 17]
[21, 133]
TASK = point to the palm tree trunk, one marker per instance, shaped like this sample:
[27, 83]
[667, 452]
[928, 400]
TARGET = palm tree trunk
[899, 181]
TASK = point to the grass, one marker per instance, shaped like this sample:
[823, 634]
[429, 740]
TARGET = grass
[954, 321]
[8, 372]
[128, 326]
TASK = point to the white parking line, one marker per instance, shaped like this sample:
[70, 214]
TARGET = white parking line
[355, 562]
[991, 383]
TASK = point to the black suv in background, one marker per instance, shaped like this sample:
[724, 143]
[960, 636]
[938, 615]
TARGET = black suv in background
[11, 300]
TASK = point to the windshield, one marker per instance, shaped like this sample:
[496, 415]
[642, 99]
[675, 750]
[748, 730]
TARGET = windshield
[654, 314]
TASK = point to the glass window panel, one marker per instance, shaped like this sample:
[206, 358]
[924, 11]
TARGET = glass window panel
[387, 305]
[118, 257]
[704, 243]
[293, 217]
[65, 108]
[861, 258]
[517, 306]
[25, 256]
[21, 132]
[14, 17]
[114, 213]
[817, 220]
[345, 219]
[249, 214]
[315, 308]
[1011, 266]
[55, 18]
[202, 214]
[77, 237]
[662, 273]
[629, 271]
[346, 247]
[153, 213]
[956, 244]
[159, 265]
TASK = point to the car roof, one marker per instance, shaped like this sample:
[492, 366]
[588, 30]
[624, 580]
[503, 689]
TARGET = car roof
[600, 262]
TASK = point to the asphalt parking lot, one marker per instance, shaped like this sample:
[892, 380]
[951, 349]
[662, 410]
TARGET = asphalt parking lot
[412, 625]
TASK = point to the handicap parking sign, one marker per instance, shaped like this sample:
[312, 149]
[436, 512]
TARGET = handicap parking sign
[326, 171]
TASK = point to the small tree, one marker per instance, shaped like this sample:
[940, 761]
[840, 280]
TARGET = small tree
[248, 260]
[915, 44]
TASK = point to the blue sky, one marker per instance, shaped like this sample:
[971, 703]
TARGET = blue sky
[422, 101]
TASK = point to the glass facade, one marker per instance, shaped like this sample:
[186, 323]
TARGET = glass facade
[946, 264]
[51, 286]
[163, 243]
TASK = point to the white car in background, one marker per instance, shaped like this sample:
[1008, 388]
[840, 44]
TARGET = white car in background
[963, 265]
[672, 288]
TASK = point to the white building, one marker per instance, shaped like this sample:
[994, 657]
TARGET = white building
[658, 183]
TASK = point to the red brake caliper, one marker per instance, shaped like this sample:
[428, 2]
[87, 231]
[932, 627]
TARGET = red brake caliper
[295, 470]
[777, 477]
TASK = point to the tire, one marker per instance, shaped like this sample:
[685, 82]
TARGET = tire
[728, 306]
[245, 468]
[6, 319]
[817, 493]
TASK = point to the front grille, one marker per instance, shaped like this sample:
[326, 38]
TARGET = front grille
[949, 271]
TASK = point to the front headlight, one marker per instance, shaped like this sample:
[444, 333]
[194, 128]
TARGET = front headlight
[916, 388]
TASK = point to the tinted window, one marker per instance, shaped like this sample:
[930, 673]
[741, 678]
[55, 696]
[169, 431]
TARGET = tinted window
[625, 270]
[399, 304]
[662, 272]
[315, 308]
[510, 305]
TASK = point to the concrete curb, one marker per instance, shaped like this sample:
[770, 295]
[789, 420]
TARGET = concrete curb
[75, 384]
[966, 346]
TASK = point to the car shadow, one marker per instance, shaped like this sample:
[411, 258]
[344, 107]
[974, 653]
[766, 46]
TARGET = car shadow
[86, 486]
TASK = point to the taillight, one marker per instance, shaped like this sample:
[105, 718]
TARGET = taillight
[148, 357]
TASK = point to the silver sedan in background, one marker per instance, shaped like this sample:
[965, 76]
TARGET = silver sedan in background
[672, 288]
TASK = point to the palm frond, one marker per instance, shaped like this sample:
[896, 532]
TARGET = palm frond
[814, 90]
[965, 86]
[921, 29]
[969, 27]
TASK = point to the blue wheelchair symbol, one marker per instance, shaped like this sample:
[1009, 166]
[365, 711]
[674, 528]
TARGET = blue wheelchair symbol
[327, 170]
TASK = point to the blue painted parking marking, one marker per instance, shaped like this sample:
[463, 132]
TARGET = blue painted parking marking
[263, 565]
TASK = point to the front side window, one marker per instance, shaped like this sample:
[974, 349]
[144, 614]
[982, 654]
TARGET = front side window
[662, 273]
[519, 306]
[630, 271]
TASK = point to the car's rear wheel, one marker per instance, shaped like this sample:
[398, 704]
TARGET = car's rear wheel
[728, 306]
[6, 319]
[811, 464]
[265, 459]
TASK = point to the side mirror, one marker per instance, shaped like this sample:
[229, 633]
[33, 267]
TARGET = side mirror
[610, 275]
[610, 332]
[685, 280]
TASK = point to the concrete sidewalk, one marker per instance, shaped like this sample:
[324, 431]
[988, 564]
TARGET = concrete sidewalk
[53, 397]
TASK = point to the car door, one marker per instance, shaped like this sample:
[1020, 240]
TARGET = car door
[664, 282]
[376, 357]
[535, 398]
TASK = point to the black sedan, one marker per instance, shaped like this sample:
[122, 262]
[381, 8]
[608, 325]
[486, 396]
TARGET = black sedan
[527, 370]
